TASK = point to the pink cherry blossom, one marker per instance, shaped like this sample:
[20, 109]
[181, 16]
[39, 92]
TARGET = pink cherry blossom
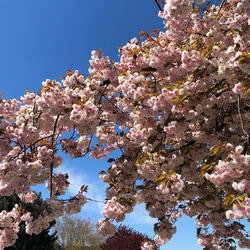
[176, 107]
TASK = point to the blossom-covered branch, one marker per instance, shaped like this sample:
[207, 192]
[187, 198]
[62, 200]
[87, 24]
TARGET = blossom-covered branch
[176, 105]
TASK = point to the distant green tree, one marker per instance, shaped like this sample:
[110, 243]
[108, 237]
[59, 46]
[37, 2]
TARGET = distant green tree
[75, 233]
[42, 241]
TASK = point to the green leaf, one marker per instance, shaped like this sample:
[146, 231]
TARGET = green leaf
[205, 168]
[159, 177]
[241, 197]
[184, 97]
[172, 173]
[179, 198]
[161, 182]
[229, 199]
[216, 149]
[175, 99]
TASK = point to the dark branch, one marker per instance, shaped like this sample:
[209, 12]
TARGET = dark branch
[159, 6]
[96, 200]
[52, 162]
[242, 125]
[221, 6]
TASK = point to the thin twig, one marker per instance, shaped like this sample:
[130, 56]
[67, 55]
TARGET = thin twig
[114, 105]
[88, 150]
[34, 110]
[96, 200]
[120, 148]
[241, 119]
[102, 94]
[221, 7]
[74, 130]
[59, 133]
[159, 6]
[52, 162]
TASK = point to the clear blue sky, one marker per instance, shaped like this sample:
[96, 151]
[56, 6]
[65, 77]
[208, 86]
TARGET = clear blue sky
[42, 39]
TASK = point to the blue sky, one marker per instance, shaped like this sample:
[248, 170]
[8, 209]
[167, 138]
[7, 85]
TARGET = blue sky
[43, 39]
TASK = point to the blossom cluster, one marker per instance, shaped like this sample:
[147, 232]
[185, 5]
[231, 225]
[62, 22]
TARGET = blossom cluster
[9, 222]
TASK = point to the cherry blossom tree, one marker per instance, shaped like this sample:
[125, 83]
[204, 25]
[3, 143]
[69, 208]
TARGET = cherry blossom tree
[42, 241]
[176, 106]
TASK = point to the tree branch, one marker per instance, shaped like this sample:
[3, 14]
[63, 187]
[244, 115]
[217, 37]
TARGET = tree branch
[221, 7]
[52, 162]
[242, 123]
[160, 8]
[96, 200]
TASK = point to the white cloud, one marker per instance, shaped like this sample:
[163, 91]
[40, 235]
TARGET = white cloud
[76, 180]
[140, 216]
[96, 190]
